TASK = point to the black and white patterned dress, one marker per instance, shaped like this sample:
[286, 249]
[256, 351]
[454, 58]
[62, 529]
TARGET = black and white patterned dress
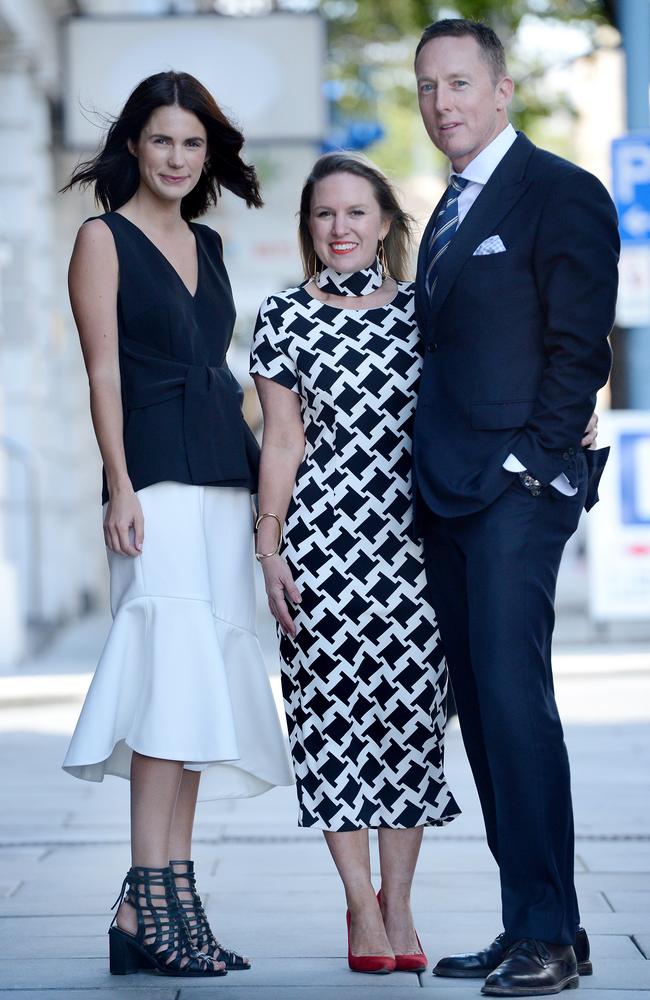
[364, 680]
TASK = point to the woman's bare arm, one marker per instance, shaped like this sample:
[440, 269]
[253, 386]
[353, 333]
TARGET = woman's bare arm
[92, 281]
[283, 446]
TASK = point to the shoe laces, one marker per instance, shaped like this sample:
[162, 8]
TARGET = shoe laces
[530, 946]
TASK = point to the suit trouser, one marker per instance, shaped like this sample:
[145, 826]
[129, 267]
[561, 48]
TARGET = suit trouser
[492, 579]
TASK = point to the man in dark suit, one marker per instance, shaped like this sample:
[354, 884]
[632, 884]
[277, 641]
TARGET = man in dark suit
[515, 295]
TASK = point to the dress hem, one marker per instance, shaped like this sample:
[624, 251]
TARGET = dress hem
[349, 828]
[98, 772]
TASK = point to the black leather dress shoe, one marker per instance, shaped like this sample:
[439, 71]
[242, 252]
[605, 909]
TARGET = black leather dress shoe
[479, 964]
[533, 968]
[473, 964]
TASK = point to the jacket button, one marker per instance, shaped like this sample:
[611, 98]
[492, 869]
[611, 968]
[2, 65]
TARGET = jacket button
[572, 451]
[432, 347]
[566, 456]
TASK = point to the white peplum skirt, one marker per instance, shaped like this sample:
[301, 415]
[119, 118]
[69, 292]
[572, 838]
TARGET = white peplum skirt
[181, 676]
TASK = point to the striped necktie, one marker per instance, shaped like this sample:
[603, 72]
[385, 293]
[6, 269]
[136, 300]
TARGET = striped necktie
[444, 229]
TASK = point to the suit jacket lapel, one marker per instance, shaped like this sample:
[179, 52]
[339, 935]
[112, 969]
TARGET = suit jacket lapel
[422, 298]
[504, 188]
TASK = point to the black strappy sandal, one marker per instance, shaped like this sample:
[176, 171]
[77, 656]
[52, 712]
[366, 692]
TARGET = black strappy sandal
[202, 936]
[162, 940]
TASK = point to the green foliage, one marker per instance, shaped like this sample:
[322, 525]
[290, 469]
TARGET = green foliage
[391, 20]
[370, 52]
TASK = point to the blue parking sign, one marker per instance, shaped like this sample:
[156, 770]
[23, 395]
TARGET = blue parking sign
[631, 183]
[635, 477]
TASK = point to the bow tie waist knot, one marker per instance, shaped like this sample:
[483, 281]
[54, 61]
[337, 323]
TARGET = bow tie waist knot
[218, 443]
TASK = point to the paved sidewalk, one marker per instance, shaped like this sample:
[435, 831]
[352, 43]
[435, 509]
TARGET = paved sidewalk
[270, 887]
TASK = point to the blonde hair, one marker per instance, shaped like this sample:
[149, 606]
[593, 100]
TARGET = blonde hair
[398, 240]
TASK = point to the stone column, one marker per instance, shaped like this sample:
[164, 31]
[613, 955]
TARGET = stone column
[47, 511]
[12, 632]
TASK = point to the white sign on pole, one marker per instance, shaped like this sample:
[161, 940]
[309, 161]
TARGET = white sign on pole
[618, 528]
[631, 184]
[633, 305]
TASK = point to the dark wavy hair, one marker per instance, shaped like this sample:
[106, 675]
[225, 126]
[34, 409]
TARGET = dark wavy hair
[115, 173]
[398, 241]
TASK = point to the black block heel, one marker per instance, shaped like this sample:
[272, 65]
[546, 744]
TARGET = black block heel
[124, 958]
[200, 930]
[162, 940]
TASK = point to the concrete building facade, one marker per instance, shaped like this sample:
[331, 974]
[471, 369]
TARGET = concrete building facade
[45, 458]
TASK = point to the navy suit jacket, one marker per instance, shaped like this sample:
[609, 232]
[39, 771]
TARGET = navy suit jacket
[515, 342]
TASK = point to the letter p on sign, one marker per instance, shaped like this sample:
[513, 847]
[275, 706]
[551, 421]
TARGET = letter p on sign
[631, 181]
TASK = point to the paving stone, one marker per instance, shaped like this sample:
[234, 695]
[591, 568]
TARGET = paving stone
[99, 827]
[271, 894]
[614, 946]
[630, 902]
[21, 946]
[42, 973]
[27, 809]
[12, 856]
[613, 973]
[464, 990]
[110, 993]
[84, 858]
[619, 923]
[291, 857]
[643, 942]
[98, 883]
[227, 883]
[603, 946]
[621, 856]
[460, 989]
[54, 905]
[607, 994]
[229, 991]
[56, 838]
[53, 927]
[609, 882]
[325, 938]
[450, 902]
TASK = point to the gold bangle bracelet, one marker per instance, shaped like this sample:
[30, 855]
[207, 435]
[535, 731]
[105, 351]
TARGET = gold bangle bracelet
[267, 555]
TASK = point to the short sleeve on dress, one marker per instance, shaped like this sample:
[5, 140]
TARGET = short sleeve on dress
[271, 354]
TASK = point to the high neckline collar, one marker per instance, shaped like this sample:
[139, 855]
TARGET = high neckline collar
[354, 284]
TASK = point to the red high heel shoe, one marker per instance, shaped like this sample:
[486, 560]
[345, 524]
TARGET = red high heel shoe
[375, 964]
[414, 962]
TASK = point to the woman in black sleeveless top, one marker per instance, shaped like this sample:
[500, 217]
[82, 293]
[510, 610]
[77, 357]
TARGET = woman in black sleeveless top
[181, 687]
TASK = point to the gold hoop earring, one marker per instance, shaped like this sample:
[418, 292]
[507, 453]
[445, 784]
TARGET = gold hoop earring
[313, 271]
[381, 254]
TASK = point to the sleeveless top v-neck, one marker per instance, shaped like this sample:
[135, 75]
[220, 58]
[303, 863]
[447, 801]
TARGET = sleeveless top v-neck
[182, 406]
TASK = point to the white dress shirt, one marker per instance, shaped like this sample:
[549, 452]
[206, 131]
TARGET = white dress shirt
[481, 168]
[478, 173]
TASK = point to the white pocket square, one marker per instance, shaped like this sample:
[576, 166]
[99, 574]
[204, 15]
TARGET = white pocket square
[493, 244]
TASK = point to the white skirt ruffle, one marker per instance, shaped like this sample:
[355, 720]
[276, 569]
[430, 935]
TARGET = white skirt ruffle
[181, 676]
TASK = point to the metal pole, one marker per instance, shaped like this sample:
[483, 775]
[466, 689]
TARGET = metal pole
[634, 19]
